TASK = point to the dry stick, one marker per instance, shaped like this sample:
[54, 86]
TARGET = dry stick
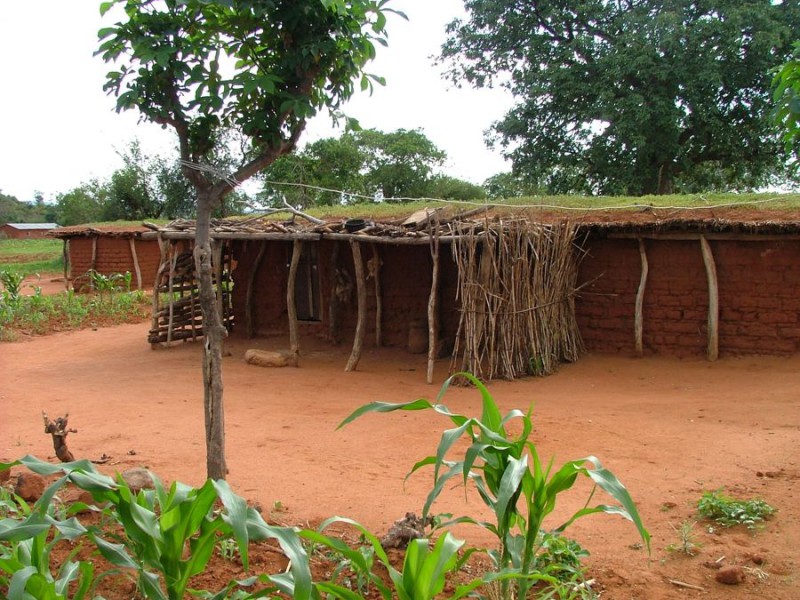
[639, 318]
[251, 282]
[378, 296]
[136, 263]
[713, 299]
[683, 584]
[433, 321]
[291, 301]
[361, 288]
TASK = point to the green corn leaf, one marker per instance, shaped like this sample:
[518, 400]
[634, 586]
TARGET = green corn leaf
[608, 482]
[20, 581]
[510, 489]
[384, 407]
[150, 584]
[12, 530]
[236, 516]
[116, 554]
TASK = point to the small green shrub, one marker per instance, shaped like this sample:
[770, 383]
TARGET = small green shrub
[729, 511]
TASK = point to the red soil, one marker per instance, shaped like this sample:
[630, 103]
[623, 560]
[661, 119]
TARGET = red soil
[669, 429]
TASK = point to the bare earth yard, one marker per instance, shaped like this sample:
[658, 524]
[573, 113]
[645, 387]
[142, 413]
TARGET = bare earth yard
[668, 429]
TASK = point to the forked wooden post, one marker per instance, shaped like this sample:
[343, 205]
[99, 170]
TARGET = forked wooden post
[291, 301]
[638, 324]
[713, 299]
[361, 289]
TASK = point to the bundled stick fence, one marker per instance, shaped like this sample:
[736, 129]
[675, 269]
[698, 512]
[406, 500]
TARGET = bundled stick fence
[176, 295]
[516, 286]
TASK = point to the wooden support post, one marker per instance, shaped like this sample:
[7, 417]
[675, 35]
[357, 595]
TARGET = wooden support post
[136, 264]
[250, 324]
[375, 273]
[361, 289]
[291, 303]
[93, 266]
[433, 312]
[713, 299]
[334, 303]
[162, 246]
[639, 316]
[67, 265]
[171, 293]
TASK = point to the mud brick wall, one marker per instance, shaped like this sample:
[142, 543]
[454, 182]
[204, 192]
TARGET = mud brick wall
[759, 296]
[405, 282]
[113, 256]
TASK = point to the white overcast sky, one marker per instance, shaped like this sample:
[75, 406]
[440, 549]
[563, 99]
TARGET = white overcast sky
[58, 128]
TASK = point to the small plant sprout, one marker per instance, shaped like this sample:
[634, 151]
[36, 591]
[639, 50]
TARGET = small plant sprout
[228, 549]
[687, 541]
[729, 511]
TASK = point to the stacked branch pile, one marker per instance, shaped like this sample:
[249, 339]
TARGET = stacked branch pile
[516, 286]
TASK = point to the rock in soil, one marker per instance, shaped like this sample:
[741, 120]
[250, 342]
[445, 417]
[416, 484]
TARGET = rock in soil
[30, 486]
[730, 575]
[138, 479]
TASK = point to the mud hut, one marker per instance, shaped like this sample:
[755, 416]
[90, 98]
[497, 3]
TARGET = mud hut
[108, 250]
[502, 293]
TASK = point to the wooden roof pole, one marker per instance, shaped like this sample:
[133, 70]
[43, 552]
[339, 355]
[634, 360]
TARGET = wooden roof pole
[713, 300]
[291, 301]
[361, 288]
[638, 325]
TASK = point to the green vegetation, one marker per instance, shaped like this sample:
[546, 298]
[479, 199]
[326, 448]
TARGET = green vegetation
[787, 98]
[511, 480]
[631, 98]
[38, 314]
[28, 257]
[687, 540]
[359, 165]
[728, 511]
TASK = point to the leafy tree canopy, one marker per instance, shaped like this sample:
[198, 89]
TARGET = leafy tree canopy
[257, 67]
[399, 164]
[630, 96]
[787, 96]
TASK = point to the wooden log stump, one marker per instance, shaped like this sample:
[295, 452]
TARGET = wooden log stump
[58, 430]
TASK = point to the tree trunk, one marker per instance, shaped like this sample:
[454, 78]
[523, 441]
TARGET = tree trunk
[665, 178]
[214, 332]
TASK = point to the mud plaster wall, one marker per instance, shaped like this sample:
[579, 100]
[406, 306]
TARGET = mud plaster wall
[759, 296]
[113, 256]
[13, 233]
[405, 281]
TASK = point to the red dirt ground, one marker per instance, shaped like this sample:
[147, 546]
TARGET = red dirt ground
[669, 429]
